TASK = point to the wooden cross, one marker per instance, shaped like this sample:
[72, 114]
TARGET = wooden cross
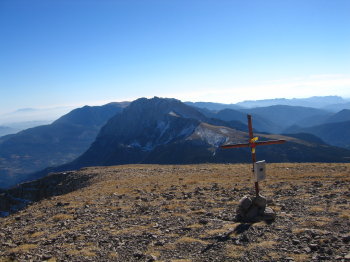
[252, 143]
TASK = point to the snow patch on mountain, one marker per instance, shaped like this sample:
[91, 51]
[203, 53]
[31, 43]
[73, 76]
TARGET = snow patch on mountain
[212, 137]
[224, 131]
[172, 113]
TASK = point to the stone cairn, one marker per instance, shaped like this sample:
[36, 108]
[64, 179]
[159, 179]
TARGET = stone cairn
[254, 210]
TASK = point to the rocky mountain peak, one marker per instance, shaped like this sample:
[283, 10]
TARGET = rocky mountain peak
[149, 116]
[156, 107]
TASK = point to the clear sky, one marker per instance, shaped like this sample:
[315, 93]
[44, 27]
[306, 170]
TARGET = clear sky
[75, 52]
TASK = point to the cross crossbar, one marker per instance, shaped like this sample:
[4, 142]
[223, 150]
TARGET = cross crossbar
[269, 142]
[252, 143]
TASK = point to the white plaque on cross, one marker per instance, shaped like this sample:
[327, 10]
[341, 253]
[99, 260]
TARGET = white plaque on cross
[259, 171]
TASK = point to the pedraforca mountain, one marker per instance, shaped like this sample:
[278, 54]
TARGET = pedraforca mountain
[142, 127]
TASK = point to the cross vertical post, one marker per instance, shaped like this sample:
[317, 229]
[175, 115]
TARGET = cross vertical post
[252, 145]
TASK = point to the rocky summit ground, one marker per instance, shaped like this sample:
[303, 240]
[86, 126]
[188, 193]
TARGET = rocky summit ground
[185, 213]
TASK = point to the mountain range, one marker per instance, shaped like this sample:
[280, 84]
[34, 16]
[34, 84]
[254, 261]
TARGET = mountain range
[331, 103]
[166, 131]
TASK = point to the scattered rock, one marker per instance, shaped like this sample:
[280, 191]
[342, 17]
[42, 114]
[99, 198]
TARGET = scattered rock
[307, 250]
[138, 254]
[296, 242]
[346, 239]
[269, 214]
[313, 247]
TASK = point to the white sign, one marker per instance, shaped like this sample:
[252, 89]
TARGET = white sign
[259, 171]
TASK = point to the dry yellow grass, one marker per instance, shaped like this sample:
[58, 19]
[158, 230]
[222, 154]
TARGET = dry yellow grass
[263, 244]
[37, 234]
[345, 214]
[300, 257]
[273, 255]
[60, 217]
[194, 226]
[23, 248]
[234, 251]
[317, 209]
[317, 221]
[113, 255]
[299, 230]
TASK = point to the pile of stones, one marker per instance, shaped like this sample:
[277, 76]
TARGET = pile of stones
[254, 210]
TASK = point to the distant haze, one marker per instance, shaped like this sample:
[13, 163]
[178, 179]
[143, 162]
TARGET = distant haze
[33, 114]
[46, 115]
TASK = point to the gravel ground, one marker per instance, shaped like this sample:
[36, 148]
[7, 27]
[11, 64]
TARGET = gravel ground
[182, 214]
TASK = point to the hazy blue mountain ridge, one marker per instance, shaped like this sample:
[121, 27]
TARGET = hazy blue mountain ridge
[337, 107]
[213, 106]
[341, 116]
[336, 134]
[315, 102]
[167, 131]
[275, 118]
[260, 123]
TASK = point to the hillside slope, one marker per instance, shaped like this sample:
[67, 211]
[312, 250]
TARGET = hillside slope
[284, 116]
[336, 134]
[261, 124]
[180, 213]
[341, 116]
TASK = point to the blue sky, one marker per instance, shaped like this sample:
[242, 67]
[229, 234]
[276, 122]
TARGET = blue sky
[76, 52]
